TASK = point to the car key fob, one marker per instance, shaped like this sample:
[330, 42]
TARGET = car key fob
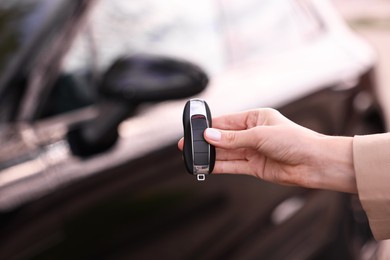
[199, 156]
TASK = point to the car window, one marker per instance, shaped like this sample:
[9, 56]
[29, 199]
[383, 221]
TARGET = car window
[21, 21]
[30, 32]
[214, 34]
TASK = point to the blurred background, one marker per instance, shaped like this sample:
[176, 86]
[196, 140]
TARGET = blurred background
[370, 19]
[91, 100]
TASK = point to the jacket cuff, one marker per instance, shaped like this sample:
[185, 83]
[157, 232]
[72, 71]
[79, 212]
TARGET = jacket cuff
[371, 156]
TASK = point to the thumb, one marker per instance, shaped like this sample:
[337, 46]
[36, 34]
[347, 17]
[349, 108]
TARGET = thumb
[231, 139]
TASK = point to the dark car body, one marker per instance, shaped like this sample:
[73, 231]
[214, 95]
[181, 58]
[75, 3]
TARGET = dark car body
[134, 200]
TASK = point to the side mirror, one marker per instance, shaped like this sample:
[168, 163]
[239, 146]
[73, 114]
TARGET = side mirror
[131, 81]
[147, 78]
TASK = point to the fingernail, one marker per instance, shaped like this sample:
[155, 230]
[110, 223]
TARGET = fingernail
[213, 134]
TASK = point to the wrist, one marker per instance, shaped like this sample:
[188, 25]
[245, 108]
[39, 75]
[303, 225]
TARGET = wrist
[336, 164]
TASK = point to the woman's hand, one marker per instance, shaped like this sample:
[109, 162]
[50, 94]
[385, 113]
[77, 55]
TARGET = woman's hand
[265, 144]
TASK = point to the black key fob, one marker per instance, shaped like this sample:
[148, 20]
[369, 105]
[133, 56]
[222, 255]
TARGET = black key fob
[199, 156]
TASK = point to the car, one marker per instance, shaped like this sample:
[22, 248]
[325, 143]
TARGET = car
[89, 165]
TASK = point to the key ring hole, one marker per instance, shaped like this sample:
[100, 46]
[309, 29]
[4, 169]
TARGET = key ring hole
[201, 177]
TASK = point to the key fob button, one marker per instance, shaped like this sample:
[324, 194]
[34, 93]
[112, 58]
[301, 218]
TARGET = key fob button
[201, 147]
[198, 122]
[198, 135]
[201, 158]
